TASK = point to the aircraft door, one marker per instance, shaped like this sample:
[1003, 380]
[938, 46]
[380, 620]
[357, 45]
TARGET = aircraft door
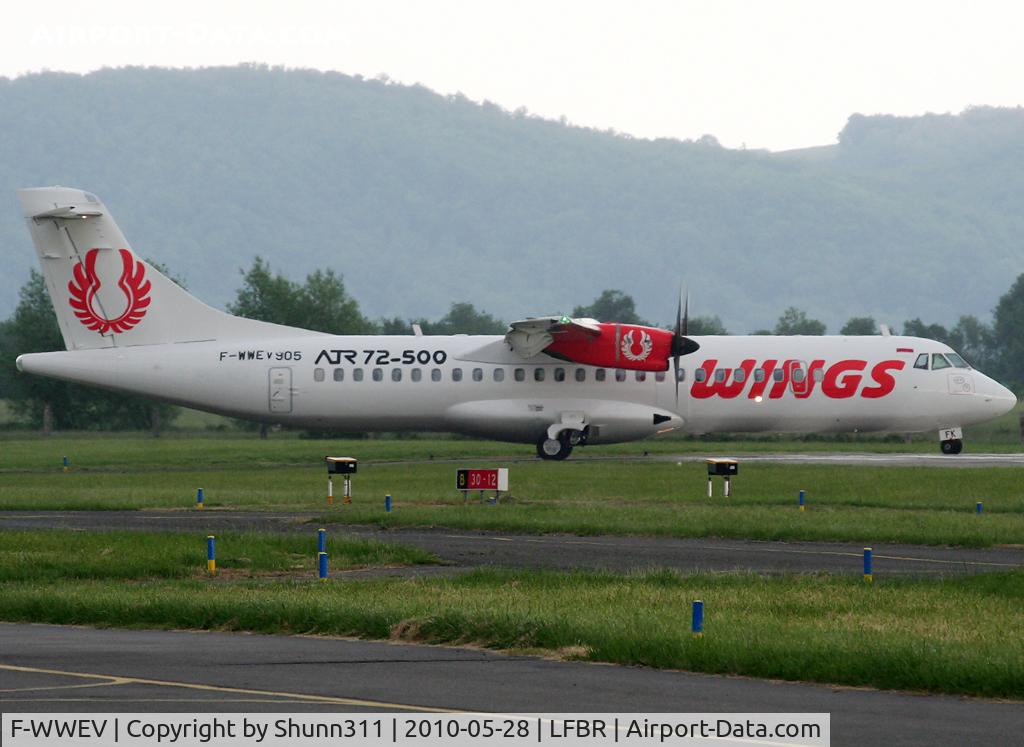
[280, 390]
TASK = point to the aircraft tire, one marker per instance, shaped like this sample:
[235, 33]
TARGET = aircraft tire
[554, 449]
[952, 446]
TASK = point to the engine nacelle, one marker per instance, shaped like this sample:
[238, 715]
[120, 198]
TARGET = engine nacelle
[618, 346]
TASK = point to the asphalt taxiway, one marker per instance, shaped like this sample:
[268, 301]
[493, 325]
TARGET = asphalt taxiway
[462, 550]
[57, 668]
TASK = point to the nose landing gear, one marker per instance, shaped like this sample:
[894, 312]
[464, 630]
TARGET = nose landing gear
[951, 446]
[951, 440]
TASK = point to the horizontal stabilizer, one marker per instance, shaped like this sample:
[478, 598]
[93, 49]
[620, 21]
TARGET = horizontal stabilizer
[68, 212]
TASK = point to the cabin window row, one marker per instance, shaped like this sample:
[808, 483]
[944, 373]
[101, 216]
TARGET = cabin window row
[798, 375]
[498, 374]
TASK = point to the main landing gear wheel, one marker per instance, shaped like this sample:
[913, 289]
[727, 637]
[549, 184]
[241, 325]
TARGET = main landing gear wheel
[952, 446]
[554, 448]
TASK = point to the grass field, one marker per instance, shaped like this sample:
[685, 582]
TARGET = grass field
[954, 635]
[951, 636]
[869, 504]
[46, 556]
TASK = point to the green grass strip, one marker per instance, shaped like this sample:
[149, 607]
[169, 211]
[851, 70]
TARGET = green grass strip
[959, 635]
[41, 556]
[845, 503]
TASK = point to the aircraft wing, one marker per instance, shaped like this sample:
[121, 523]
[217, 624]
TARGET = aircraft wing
[529, 337]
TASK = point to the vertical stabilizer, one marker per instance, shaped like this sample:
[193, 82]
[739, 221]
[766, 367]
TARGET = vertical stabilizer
[106, 296]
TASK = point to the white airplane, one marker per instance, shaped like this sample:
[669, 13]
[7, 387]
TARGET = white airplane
[552, 381]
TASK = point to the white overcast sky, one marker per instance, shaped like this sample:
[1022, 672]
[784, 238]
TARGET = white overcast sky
[774, 75]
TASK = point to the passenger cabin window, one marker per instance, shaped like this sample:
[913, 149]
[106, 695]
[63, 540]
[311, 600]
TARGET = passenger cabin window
[559, 374]
[378, 374]
[396, 374]
[478, 374]
[620, 374]
[659, 376]
[818, 375]
[681, 376]
[499, 374]
[778, 374]
[581, 375]
[417, 374]
[357, 374]
[318, 374]
[939, 361]
[640, 375]
[720, 374]
[700, 375]
[519, 374]
[600, 374]
[739, 375]
[435, 374]
[538, 374]
[339, 374]
[759, 374]
[922, 362]
[799, 374]
[456, 374]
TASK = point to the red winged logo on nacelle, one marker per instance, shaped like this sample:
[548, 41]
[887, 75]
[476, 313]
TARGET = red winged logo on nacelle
[132, 283]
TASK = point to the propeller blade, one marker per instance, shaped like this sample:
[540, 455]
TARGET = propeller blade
[675, 373]
[686, 315]
[677, 340]
[681, 344]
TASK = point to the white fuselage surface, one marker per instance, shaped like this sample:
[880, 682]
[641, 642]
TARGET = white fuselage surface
[477, 385]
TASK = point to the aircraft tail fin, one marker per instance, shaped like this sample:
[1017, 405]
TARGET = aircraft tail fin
[106, 296]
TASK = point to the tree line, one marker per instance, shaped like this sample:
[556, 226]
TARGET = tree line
[322, 303]
[414, 193]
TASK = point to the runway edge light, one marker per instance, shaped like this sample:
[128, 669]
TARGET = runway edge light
[321, 540]
[697, 622]
[322, 565]
[199, 498]
[868, 571]
[802, 499]
[978, 507]
[387, 503]
[211, 554]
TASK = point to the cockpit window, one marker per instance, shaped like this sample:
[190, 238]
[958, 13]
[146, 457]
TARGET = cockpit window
[939, 361]
[957, 361]
[922, 361]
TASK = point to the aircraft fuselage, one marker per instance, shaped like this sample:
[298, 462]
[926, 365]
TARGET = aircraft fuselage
[476, 385]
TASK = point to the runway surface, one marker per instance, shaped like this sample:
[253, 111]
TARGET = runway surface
[55, 668]
[859, 459]
[869, 460]
[465, 549]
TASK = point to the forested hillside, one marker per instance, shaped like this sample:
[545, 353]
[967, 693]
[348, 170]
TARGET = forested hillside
[420, 200]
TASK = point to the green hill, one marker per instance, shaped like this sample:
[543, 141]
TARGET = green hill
[421, 199]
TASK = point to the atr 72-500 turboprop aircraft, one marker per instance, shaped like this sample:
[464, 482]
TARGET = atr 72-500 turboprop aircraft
[553, 381]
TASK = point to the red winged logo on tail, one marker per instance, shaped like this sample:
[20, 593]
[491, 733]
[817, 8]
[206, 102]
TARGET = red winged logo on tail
[133, 284]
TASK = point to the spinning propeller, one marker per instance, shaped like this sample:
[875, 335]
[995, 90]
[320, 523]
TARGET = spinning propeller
[681, 344]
